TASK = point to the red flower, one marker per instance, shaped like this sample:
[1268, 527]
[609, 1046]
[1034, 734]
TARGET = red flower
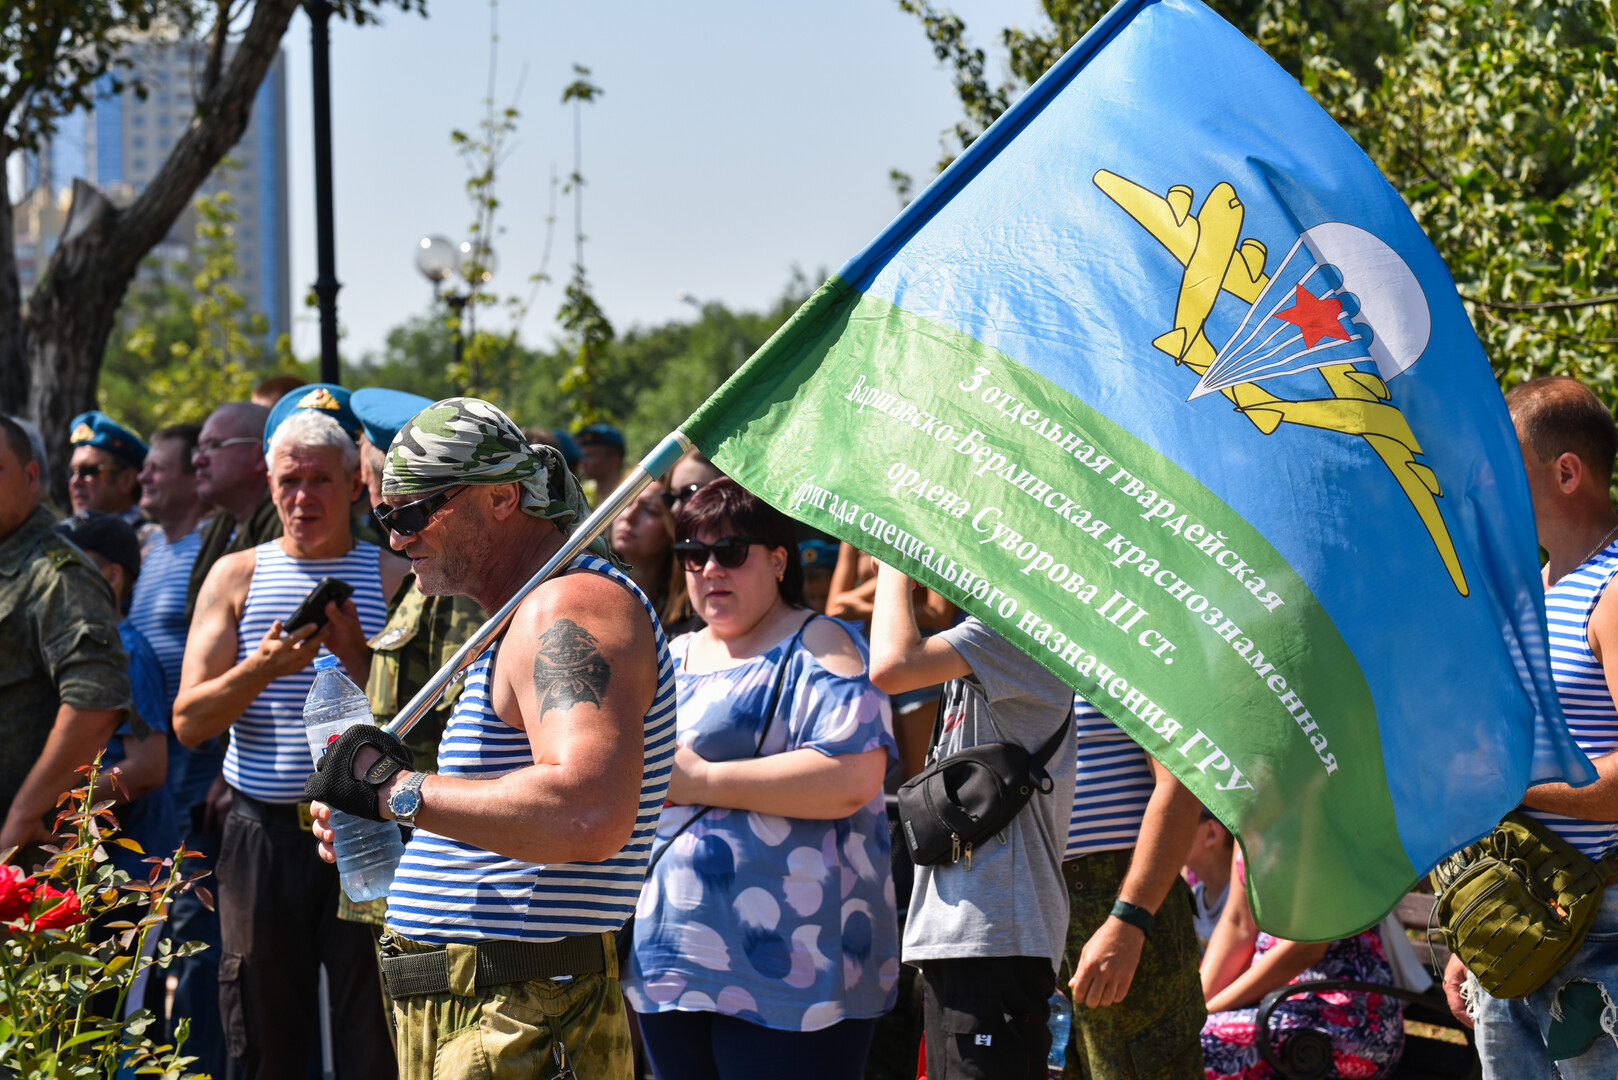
[61, 914]
[1337, 1016]
[16, 893]
[1354, 1066]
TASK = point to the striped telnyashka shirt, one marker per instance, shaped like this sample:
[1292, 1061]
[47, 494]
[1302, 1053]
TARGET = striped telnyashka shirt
[269, 755]
[448, 891]
[1110, 789]
[1581, 685]
[158, 607]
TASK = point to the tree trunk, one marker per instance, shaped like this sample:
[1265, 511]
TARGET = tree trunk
[13, 360]
[71, 312]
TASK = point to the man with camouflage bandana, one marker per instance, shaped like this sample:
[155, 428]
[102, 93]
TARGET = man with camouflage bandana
[530, 842]
[422, 632]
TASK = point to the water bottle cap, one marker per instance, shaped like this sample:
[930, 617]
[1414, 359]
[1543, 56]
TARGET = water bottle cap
[325, 663]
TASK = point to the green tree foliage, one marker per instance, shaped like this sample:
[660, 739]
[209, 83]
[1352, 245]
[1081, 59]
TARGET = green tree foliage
[652, 379]
[52, 55]
[587, 325]
[1494, 119]
[648, 379]
[488, 356]
[177, 351]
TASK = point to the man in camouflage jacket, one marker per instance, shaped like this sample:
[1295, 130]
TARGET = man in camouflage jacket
[64, 676]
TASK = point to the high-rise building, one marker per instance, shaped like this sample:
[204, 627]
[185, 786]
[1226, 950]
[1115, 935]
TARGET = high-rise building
[128, 139]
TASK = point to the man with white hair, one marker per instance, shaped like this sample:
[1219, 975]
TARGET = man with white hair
[242, 671]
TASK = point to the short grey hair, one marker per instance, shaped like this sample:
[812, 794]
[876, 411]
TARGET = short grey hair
[313, 428]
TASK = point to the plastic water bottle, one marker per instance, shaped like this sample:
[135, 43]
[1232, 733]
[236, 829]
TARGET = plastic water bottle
[1061, 1025]
[367, 851]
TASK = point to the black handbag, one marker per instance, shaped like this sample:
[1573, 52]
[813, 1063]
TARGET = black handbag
[957, 802]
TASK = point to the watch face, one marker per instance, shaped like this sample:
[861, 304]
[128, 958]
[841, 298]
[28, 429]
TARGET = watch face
[405, 803]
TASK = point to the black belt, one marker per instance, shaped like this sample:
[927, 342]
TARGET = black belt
[499, 962]
[1103, 870]
[272, 815]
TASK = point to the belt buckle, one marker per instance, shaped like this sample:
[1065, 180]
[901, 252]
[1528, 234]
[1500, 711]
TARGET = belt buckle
[306, 817]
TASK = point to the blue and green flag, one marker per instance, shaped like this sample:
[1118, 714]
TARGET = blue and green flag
[1162, 381]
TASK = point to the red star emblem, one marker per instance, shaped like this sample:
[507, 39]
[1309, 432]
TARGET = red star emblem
[1315, 317]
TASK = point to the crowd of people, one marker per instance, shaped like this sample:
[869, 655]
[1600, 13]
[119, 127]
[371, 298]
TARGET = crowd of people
[647, 830]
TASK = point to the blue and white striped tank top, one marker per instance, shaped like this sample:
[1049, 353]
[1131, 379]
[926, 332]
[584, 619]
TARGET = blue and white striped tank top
[158, 607]
[1581, 685]
[268, 756]
[1110, 789]
[448, 891]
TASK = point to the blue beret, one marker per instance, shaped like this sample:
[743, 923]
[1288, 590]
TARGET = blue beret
[383, 412]
[599, 435]
[101, 431]
[818, 553]
[570, 449]
[331, 399]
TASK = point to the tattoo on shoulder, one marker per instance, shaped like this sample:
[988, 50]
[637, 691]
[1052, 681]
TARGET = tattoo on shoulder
[569, 668]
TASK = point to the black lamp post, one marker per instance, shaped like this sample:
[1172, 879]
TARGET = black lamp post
[326, 284]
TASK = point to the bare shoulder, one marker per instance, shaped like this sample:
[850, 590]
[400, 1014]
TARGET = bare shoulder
[1603, 629]
[830, 644]
[580, 640]
[228, 580]
[577, 616]
[610, 612]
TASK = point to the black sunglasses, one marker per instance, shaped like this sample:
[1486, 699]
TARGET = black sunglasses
[411, 518]
[730, 552]
[90, 472]
[672, 497]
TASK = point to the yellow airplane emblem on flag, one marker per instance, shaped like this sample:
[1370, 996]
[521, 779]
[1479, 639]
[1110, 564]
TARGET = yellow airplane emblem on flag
[1209, 245]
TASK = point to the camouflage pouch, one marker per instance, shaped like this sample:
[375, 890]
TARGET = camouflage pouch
[1516, 904]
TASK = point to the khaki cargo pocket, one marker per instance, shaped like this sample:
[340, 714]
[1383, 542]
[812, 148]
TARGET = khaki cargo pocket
[522, 1028]
[462, 1055]
[232, 1011]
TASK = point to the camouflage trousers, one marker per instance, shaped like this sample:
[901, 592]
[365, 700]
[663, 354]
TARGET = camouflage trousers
[534, 1030]
[1155, 1033]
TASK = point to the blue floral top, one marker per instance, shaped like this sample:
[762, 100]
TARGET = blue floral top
[784, 922]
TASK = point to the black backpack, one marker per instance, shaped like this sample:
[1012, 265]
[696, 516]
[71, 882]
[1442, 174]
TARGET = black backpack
[957, 802]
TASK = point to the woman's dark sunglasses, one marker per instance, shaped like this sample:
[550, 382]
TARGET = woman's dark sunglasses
[730, 552]
[672, 497]
[411, 518]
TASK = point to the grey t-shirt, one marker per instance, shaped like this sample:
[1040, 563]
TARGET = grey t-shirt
[1013, 901]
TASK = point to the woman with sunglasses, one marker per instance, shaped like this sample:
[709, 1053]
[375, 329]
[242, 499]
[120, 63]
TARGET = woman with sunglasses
[765, 938]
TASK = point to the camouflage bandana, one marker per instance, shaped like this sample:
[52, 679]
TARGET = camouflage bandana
[469, 441]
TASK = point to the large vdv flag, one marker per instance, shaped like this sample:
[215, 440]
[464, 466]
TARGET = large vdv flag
[1162, 381]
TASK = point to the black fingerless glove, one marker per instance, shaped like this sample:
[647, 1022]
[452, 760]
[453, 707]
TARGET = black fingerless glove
[333, 781]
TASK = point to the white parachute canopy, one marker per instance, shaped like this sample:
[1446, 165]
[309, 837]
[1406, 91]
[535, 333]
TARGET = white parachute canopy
[1384, 311]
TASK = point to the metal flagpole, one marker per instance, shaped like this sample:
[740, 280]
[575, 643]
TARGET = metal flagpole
[653, 465]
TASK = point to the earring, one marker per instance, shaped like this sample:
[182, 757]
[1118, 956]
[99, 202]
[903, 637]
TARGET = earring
[780, 577]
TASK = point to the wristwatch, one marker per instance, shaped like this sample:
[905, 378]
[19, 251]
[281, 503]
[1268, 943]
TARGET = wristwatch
[405, 802]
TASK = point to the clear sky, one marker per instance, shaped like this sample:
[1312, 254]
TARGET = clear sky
[735, 140]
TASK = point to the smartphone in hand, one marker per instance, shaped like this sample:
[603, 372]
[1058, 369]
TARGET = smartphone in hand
[313, 608]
